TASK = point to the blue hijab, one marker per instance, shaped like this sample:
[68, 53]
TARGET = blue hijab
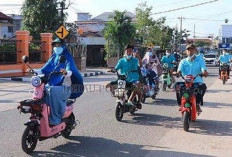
[54, 64]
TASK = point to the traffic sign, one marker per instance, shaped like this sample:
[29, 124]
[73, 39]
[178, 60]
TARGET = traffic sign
[62, 32]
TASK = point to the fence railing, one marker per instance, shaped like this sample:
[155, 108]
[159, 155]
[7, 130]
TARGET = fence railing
[35, 51]
[8, 51]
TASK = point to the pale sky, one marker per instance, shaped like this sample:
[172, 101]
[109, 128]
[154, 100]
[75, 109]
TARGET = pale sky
[207, 18]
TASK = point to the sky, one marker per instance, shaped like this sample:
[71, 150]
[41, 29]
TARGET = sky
[207, 18]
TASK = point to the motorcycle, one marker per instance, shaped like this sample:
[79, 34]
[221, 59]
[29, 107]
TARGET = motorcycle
[188, 106]
[149, 92]
[122, 93]
[38, 128]
[175, 66]
[224, 75]
[166, 77]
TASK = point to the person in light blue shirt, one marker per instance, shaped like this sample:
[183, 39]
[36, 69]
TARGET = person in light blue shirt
[128, 66]
[170, 60]
[224, 58]
[193, 65]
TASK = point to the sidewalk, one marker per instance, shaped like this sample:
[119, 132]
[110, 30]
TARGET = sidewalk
[210, 135]
[89, 72]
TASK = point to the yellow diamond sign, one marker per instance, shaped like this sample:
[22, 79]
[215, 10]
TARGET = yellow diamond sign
[62, 32]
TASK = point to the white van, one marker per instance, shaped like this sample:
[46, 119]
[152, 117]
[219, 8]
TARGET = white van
[211, 59]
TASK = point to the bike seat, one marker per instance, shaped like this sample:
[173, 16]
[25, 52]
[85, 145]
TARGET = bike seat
[70, 102]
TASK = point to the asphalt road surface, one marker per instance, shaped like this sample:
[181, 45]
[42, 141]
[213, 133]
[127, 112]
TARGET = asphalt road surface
[99, 134]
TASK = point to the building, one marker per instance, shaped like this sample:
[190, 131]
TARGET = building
[5, 21]
[93, 37]
[9, 24]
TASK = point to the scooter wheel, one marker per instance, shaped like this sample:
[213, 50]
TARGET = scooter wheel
[186, 121]
[119, 112]
[164, 87]
[29, 139]
[153, 96]
[224, 80]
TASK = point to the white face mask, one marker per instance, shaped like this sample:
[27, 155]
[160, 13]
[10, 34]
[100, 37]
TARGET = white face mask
[224, 53]
[58, 50]
[128, 57]
[191, 58]
[168, 54]
[149, 53]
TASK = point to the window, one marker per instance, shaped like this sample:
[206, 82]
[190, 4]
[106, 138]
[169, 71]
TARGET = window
[10, 29]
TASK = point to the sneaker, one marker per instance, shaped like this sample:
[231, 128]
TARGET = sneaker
[199, 108]
[139, 106]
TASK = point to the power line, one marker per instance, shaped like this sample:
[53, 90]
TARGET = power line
[191, 6]
[212, 16]
[169, 4]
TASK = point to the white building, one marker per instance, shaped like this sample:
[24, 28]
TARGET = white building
[93, 37]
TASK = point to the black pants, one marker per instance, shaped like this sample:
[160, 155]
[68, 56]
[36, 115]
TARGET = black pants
[228, 70]
[199, 96]
[151, 75]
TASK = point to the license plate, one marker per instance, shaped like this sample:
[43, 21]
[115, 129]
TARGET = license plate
[121, 84]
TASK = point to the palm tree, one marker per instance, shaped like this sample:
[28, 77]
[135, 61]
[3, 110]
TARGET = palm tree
[118, 33]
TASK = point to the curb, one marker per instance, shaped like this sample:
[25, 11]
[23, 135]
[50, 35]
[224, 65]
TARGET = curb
[25, 79]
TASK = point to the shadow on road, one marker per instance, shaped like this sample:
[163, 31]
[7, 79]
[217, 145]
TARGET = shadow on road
[163, 102]
[100, 147]
[154, 120]
[212, 127]
[218, 91]
[216, 105]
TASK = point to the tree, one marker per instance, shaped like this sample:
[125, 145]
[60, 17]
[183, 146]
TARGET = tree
[40, 16]
[150, 31]
[118, 33]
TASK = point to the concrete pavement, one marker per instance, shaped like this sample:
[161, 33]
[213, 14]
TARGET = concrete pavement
[210, 135]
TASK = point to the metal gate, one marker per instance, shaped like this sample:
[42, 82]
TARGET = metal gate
[8, 51]
[35, 51]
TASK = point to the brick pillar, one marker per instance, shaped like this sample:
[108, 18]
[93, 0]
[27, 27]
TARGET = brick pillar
[46, 39]
[22, 46]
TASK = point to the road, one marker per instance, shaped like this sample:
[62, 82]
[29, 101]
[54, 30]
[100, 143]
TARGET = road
[156, 130]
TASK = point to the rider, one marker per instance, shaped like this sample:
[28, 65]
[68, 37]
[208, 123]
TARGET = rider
[170, 60]
[225, 58]
[193, 65]
[58, 89]
[151, 62]
[128, 65]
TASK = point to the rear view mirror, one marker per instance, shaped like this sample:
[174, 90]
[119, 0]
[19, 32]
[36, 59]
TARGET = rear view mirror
[25, 59]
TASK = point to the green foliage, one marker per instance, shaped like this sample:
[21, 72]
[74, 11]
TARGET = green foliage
[150, 31]
[8, 47]
[118, 33]
[40, 16]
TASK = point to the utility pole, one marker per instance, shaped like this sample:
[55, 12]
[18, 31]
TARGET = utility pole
[194, 33]
[62, 8]
[181, 18]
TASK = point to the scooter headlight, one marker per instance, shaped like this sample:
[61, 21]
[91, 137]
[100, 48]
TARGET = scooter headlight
[36, 81]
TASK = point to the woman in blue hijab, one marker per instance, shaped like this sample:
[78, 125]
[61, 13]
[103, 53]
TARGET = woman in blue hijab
[61, 87]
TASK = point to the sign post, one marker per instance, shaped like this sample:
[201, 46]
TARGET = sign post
[62, 32]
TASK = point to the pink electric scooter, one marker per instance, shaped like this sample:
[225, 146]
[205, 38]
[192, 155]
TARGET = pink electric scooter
[38, 127]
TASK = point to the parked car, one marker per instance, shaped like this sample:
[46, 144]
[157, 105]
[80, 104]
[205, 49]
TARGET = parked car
[211, 59]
